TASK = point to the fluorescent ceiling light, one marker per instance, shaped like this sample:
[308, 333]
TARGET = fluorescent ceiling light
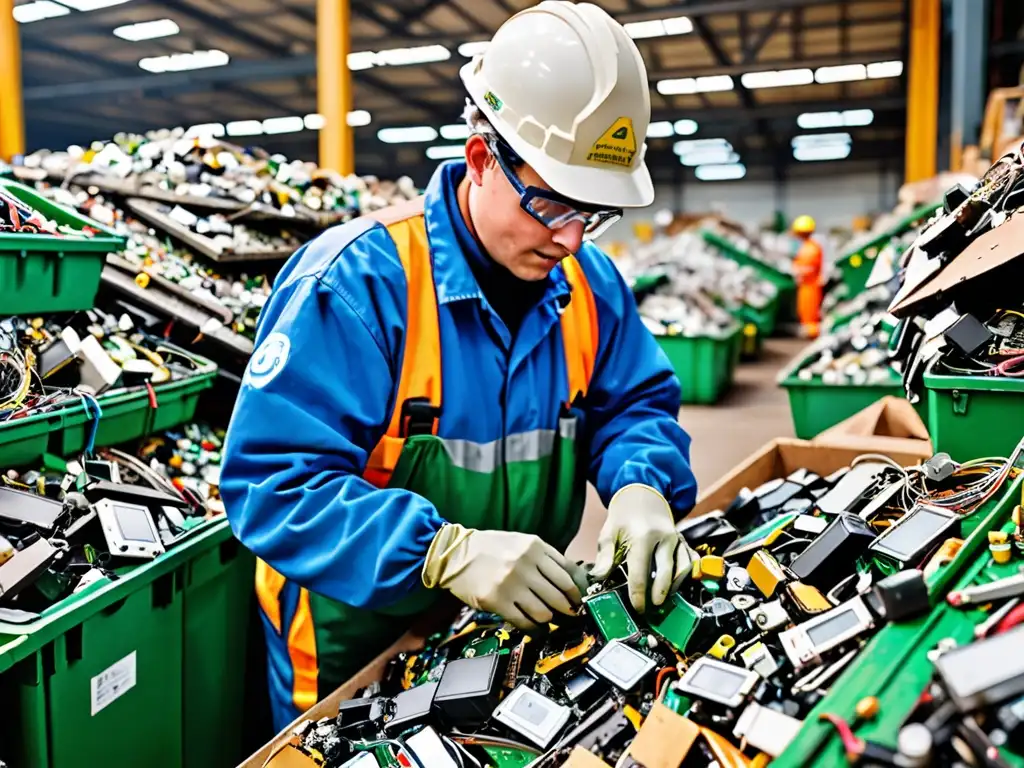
[469, 50]
[357, 118]
[721, 172]
[639, 30]
[180, 62]
[316, 122]
[455, 132]
[91, 5]
[813, 153]
[206, 129]
[398, 57]
[710, 156]
[685, 85]
[777, 79]
[274, 125]
[845, 73]
[245, 128]
[37, 11]
[446, 151]
[407, 135]
[845, 119]
[685, 127]
[659, 129]
[694, 145]
[882, 69]
[821, 139]
[147, 30]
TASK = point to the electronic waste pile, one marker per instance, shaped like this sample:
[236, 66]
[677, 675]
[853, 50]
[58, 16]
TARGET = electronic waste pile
[793, 579]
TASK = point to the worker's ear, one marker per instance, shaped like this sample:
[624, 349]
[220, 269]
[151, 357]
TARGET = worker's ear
[478, 158]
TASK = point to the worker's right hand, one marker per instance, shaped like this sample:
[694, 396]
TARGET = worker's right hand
[515, 575]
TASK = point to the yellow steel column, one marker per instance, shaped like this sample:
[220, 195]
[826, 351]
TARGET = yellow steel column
[12, 113]
[923, 90]
[333, 84]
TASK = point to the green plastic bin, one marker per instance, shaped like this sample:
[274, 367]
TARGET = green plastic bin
[816, 406]
[784, 283]
[126, 416]
[894, 666]
[50, 273]
[705, 365]
[970, 417]
[856, 264]
[140, 634]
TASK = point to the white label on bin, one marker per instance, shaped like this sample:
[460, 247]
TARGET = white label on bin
[113, 683]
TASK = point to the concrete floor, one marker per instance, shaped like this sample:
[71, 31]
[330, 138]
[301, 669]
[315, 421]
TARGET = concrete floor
[751, 414]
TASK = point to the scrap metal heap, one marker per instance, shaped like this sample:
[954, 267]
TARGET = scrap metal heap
[794, 578]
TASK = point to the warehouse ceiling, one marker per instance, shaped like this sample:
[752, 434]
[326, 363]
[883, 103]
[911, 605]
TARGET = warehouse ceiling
[82, 82]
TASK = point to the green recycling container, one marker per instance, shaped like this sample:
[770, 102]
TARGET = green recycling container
[856, 264]
[971, 417]
[126, 416]
[705, 365]
[120, 674]
[51, 273]
[783, 281]
[894, 666]
[816, 406]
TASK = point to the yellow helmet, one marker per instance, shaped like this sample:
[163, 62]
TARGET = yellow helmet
[804, 225]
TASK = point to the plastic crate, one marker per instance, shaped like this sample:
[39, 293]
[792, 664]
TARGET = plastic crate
[816, 406]
[971, 417]
[50, 273]
[147, 621]
[705, 365]
[126, 416]
[784, 283]
[856, 264]
[894, 665]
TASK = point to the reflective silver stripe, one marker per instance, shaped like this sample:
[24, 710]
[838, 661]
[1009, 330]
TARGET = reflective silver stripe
[524, 446]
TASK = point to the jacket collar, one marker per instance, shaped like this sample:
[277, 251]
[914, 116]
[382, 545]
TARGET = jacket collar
[453, 277]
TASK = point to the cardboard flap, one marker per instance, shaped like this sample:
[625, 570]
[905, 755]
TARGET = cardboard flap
[664, 740]
[580, 758]
[886, 417]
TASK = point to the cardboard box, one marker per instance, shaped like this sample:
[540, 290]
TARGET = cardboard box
[784, 456]
[890, 424]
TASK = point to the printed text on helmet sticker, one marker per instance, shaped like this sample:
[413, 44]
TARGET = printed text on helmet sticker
[617, 145]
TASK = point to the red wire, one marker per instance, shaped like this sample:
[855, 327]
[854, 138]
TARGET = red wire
[661, 676]
[853, 745]
[1006, 368]
[152, 396]
[1010, 620]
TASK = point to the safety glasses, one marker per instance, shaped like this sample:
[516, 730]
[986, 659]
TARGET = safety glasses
[551, 209]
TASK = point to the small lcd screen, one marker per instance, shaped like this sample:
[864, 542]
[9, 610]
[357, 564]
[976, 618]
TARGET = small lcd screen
[916, 530]
[134, 523]
[532, 708]
[622, 663]
[760, 533]
[841, 622]
[721, 682]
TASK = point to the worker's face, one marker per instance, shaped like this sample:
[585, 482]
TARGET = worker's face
[512, 237]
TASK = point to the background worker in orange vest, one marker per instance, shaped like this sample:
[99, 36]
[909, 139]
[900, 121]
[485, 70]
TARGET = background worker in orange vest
[807, 270]
[433, 386]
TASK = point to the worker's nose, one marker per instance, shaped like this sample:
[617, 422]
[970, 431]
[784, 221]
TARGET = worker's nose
[570, 236]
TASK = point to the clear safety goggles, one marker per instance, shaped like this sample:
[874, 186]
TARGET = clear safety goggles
[548, 207]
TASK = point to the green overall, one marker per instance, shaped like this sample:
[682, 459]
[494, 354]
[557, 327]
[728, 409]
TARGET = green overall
[533, 482]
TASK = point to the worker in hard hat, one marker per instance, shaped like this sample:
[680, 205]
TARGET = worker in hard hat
[807, 270]
[434, 384]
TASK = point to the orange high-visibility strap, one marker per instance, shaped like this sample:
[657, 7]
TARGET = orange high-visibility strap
[302, 652]
[421, 359]
[269, 584]
[579, 330]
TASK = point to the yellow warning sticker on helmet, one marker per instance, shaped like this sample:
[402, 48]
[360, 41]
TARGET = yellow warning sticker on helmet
[617, 145]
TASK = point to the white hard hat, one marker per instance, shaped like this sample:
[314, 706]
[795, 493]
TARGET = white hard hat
[565, 86]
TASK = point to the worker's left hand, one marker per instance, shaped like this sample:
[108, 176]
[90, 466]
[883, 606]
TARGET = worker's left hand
[640, 527]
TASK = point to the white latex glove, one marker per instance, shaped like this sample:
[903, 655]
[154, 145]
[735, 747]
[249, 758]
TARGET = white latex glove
[640, 527]
[515, 575]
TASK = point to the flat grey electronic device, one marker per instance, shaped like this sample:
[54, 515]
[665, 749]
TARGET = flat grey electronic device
[986, 672]
[621, 665]
[532, 715]
[766, 729]
[427, 746]
[916, 534]
[25, 567]
[850, 488]
[805, 643]
[23, 507]
[129, 530]
[717, 681]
